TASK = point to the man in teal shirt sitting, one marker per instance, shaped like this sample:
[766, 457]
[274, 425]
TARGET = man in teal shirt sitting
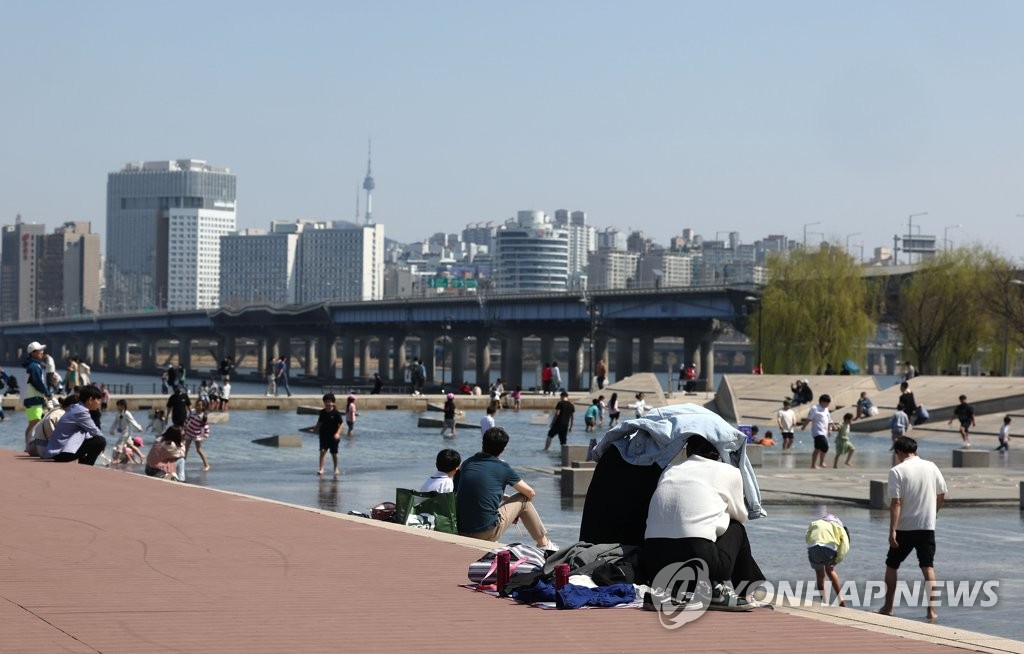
[484, 511]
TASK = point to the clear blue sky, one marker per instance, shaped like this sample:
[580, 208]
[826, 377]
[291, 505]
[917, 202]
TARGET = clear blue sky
[757, 117]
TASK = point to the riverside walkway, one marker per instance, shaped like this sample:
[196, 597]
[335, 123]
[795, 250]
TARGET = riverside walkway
[95, 560]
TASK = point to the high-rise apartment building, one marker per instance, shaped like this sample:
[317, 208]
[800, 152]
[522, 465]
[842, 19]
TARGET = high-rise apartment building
[193, 256]
[582, 237]
[531, 254]
[340, 261]
[18, 265]
[49, 275]
[258, 267]
[610, 269]
[145, 202]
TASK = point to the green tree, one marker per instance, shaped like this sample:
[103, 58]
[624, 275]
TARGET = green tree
[815, 310]
[941, 309]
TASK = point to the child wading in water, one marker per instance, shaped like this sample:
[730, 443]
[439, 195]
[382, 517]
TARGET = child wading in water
[350, 414]
[328, 426]
[125, 451]
[198, 430]
[1004, 435]
[843, 445]
[828, 542]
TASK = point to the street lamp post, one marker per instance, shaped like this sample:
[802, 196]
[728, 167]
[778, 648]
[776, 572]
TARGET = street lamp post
[1006, 332]
[760, 314]
[445, 327]
[806, 225]
[848, 241]
[945, 234]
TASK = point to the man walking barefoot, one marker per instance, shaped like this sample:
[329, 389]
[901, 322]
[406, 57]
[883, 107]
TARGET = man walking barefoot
[918, 491]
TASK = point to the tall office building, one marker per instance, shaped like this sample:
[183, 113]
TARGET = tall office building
[193, 256]
[341, 262]
[18, 267]
[258, 267]
[151, 208]
[531, 254]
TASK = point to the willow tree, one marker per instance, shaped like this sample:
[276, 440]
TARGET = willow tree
[814, 311]
[941, 312]
[1000, 293]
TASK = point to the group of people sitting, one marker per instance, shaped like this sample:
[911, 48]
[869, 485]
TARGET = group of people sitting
[676, 513]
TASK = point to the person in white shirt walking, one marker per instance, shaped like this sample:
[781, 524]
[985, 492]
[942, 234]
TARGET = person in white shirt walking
[488, 420]
[786, 420]
[821, 424]
[917, 491]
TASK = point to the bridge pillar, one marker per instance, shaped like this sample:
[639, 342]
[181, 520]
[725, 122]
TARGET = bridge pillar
[600, 346]
[547, 350]
[398, 362]
[325, 361]
[890, 364]
[348, 358]
[261, 355]
[428, 354]
[284, 349]
[576, 366]
[185, 353]
[148, 347]
[458, 346]
[646, 363]
[311, 359]
[483, 360]
[706, 379]
[511, 360]
[100, 353]
[89, 351]
[364, 356]
[226, 347]
[623, 356]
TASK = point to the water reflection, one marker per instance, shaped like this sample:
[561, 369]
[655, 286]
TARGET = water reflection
[328, 494]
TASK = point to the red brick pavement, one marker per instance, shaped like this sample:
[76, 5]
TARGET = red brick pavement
[95, 560]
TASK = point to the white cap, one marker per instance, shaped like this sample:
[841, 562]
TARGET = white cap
[35, 346]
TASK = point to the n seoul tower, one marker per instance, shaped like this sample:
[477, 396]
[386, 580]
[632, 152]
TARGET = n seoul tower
[368, 184]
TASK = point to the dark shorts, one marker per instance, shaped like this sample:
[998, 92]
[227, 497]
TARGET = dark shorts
[352, 423]
[821, 557]
[922, 540]
[329, 442]
[787, 435]
[561, 430]
[590, 422]
[821, 443]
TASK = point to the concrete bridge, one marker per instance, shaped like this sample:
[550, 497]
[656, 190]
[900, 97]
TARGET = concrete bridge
[325, 339]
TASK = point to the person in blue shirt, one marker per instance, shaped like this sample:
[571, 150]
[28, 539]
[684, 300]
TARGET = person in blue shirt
[77, 437]
[37, 390]
[484, 511]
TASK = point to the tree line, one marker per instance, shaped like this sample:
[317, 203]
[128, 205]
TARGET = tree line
[818, 308]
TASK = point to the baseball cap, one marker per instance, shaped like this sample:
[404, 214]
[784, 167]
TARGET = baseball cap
[451, 396]
[34, 346]
[137, 440]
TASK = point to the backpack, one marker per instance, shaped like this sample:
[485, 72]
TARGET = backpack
[523, 559]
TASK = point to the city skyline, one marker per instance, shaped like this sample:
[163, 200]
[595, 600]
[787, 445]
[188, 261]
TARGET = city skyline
[782, 118]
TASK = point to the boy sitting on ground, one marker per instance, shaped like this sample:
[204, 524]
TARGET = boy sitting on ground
[447, 463]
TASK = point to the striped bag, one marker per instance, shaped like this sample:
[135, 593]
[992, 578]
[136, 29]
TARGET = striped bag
[523, 559]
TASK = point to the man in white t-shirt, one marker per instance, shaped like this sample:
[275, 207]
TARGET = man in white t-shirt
[786, 420]
[821, 424]
[917, 491]
[447, 463]
[488, 420]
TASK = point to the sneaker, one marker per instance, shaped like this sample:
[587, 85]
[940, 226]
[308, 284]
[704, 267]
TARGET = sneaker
[724, 598]
[657, 600]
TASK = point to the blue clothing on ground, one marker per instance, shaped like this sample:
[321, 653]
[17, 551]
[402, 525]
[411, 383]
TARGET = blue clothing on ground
[572, 596]
[71, 431]
[661, 435]
[479, 486]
